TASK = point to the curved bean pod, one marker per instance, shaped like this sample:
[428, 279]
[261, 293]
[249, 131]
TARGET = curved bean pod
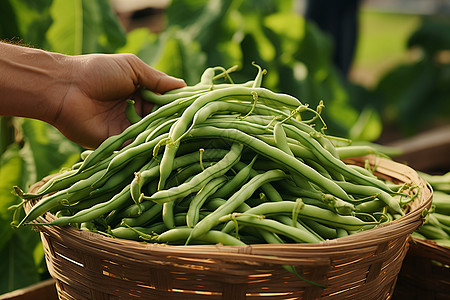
[273, 153]
[210, 188]
[235, 201]
[179, 235]
[196, 183]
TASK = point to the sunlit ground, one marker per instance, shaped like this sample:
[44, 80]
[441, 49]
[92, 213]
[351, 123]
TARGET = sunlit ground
[381, 44]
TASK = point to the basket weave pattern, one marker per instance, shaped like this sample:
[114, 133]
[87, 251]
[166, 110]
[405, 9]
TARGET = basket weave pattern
[425, 273]
[86, 265]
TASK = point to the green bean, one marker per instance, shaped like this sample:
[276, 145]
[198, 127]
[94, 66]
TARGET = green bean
[324, 231]
[298, 150]
[372, 191]
[363, 171]
[370, 206]
[356, 151]
[311, 212]
[78, 191]
[317, 166]
[327, 159]
[308, 235]
[329, 201]
[238, 180]
[433, 232]
[280, 139]
[441, 218]
[269, 236]
[244, 126]
[160, 129]
[287, 220]
[124, 157]
[138, 233]
[167, 98]
[206, 87]
[94, 211]
[235, 201]
[180, 127]
[62, 181]
[120, 179]
[441, 202]
[130, 112]
[180, 162]
[275, 154]
[179, 235]
[44, 188]
[341, 232]
[196, 183]
[324, 141]
[89, 202]
[168, 214]
[210, 188]
[183, 175]
[145, 217]
[214, 203]
[85, 153]
[296, 234]
[132, 211]
[114, 142]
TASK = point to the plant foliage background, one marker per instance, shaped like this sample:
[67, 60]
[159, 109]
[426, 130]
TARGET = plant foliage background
[197, 34]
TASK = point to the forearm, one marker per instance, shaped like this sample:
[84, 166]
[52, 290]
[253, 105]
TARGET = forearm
[32, 82]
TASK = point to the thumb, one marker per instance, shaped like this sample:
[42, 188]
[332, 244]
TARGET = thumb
[156, 80]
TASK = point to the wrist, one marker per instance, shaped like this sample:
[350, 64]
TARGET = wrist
[33, 82]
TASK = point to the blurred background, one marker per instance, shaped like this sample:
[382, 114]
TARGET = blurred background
[382, 68]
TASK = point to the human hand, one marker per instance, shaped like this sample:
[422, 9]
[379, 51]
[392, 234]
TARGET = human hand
[93, 107]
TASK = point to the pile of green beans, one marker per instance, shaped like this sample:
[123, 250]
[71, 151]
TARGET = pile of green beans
[220, 162]
[437, 223]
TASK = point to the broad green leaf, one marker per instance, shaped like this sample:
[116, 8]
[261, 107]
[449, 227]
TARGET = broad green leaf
[253, 26]
[137, 40]
[40, 140]
[65, 35]
[368, 127]
[6, 133]
[170, 60]
[83, 26]
[25, 20]
[17, 246]
[18, 264]
[432, 36]
[101, 30]
[11, 166]
[9, 25]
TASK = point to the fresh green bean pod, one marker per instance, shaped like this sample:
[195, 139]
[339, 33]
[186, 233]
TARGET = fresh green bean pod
[79, 190]
[274, 154]
[238, 180]
[95, 211]
[123, 158]
[179, 236]
[235, 201]
[196, 183]
[130, 112]
[193, 213]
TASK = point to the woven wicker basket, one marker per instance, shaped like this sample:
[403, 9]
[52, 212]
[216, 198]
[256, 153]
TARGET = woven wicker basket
[360, 266]
[425, 273]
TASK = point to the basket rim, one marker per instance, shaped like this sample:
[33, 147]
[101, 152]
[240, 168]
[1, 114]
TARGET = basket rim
[362, 240]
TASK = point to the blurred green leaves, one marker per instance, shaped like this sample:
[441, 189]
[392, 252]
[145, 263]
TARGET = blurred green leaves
[198, 34]
[83, 26]
[30, 149]
[297, 55]
[416, 95]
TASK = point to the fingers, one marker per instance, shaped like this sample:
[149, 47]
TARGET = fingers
[153, 79]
